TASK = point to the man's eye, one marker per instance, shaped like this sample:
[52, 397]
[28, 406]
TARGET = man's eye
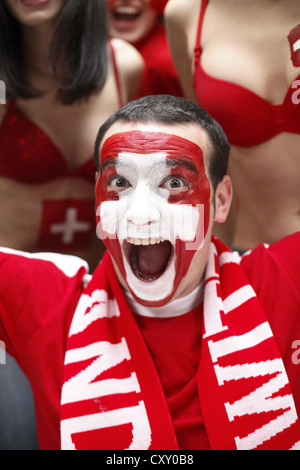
[118, 183]
[174, 184]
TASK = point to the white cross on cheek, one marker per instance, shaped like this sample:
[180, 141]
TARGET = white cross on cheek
[69, 228]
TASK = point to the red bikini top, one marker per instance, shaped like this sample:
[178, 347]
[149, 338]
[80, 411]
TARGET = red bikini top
[29, 156]
[246, 118]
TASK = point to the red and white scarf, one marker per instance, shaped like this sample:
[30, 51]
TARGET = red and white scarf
[112, 398]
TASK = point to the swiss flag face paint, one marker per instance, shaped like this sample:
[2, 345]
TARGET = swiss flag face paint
[153, 209]
[294, 40]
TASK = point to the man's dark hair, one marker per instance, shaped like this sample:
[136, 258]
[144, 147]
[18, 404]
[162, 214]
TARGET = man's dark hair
[78, 55]
[166, 109]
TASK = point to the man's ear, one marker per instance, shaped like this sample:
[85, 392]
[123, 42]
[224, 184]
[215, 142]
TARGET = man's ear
[223, 198]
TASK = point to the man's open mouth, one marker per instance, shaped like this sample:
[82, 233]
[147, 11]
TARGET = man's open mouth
[148, 258]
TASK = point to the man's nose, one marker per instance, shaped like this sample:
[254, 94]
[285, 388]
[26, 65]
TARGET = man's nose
[143, 206]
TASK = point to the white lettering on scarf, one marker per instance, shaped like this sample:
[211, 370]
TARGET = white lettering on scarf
[265, 398]
[108, 355]
[104, 356]
[135, 415]
[91, 308]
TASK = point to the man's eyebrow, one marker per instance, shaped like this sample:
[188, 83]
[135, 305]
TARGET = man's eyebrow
[172, 162]
[116, 161]
[108, 162]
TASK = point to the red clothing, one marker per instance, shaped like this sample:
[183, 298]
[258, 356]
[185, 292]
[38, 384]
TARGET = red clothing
[246, 118]
[24, 142]
[162, 336]
[160, 76]
[38, 300]
[29, 156]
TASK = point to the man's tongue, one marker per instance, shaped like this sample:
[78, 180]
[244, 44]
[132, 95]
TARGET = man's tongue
[149, 261]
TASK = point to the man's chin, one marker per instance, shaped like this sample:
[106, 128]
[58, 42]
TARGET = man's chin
[152, 303]
[153, 270]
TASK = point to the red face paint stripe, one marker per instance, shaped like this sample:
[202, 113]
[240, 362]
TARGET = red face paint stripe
[177, 148]
[198, 191]
[181, 153]
[149, 142]
[104, 177]
[185, 157]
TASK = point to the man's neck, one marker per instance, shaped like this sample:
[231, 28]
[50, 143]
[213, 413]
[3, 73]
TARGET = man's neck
[174, 308]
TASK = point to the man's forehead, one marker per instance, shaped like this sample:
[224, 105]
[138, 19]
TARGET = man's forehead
[142, 149]
[181, 134]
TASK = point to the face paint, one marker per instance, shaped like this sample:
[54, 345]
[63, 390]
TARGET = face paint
[294, 40]
[153, 209]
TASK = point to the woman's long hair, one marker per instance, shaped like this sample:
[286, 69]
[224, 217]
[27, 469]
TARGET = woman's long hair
[77, 57]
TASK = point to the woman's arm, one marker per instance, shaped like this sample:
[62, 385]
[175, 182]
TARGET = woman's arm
[181, 19]
[130, 65]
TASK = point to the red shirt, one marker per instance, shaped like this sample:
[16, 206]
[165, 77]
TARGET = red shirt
[175, 346]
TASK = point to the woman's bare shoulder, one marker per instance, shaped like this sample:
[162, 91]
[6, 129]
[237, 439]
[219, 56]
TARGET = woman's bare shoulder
[126, 54]
[182, 12]
[130, 65]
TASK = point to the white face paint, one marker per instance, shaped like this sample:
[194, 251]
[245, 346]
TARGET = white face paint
[143, 215]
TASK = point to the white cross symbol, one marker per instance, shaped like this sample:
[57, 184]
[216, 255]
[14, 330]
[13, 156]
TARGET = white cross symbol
[69, 227]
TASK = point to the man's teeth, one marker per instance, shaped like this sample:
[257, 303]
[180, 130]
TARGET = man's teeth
[144, 241]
